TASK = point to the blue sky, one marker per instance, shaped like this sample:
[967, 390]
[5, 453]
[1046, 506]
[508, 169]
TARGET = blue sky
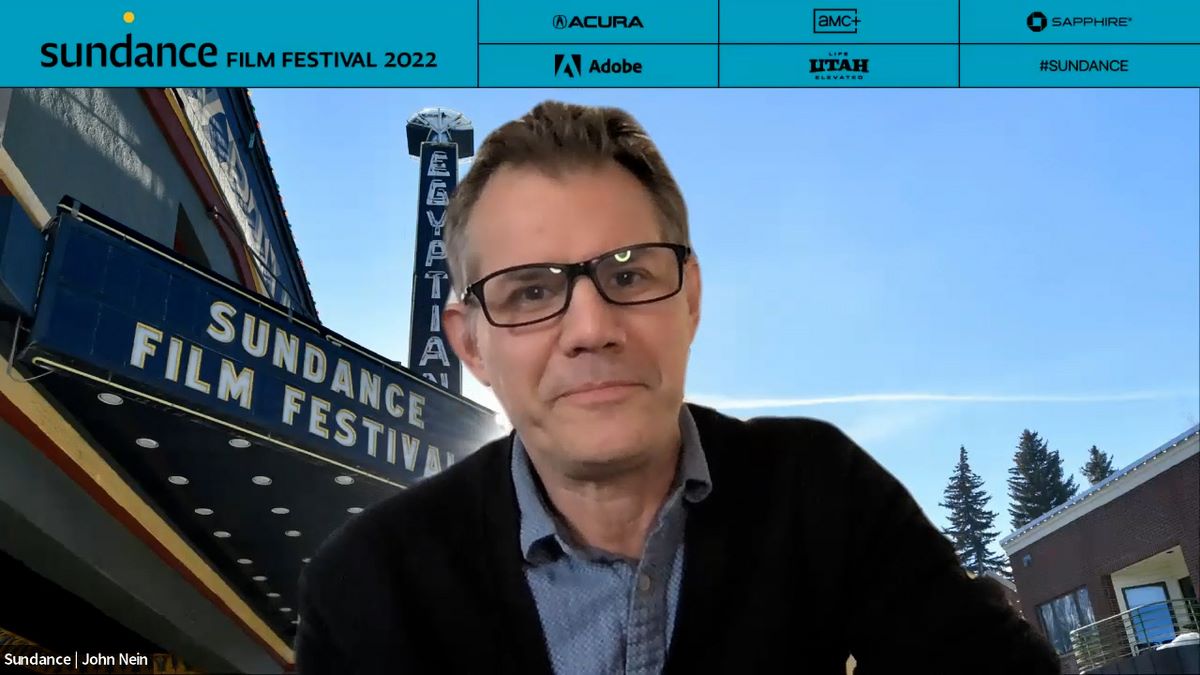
[924, 268]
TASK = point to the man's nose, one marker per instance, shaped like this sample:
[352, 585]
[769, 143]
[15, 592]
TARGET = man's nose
[590, 323]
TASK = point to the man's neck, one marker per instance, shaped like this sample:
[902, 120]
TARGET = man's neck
[615, 514]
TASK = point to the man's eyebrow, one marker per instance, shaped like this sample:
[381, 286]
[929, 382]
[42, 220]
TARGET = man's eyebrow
[538, 270]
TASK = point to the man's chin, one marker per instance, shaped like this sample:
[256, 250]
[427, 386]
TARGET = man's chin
[598, 444]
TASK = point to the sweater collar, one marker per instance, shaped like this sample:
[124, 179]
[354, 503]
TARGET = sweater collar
[541, 528]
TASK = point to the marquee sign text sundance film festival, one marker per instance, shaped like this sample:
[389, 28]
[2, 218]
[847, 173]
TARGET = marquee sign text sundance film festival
[118, 308]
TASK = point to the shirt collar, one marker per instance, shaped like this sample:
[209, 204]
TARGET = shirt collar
[540, 527]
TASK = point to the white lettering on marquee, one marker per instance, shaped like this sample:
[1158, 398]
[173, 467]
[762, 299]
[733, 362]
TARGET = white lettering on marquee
[287, 349]
[232, 382]
[221, 329]
[345, 433]
[343, 379]
[192, 380]
[235, 385]
[255, 335]
[145, 343]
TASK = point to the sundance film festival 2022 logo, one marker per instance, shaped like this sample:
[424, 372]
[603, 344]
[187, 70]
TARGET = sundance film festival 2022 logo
[839, 66]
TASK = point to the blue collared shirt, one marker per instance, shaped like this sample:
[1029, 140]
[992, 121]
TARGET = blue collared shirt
[603, 613]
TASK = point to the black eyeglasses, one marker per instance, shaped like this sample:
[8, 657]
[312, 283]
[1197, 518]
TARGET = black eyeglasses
[632, 275]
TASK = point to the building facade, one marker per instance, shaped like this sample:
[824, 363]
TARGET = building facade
[1131, 541]
[178, 432]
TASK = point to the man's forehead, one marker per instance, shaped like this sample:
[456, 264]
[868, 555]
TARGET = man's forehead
[566, 185]
[526, 216]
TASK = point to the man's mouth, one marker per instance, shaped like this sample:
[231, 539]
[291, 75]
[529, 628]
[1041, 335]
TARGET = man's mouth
[601, 392]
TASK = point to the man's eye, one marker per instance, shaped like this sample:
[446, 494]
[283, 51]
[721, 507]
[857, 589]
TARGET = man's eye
[628, 277]
[529, 294]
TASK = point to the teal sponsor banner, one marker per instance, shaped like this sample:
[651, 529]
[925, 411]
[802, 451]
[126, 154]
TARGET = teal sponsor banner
[584, 65]
[559, 21]
[267, 43]
[913, 21]
[1076, 21]
[839, 65]
[673, 43]
[1080, 66]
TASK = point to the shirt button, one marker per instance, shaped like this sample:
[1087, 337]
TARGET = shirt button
[644, 582]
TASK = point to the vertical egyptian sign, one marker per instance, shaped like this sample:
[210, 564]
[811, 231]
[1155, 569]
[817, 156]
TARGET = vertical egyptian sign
[429, 353]
[439, 138]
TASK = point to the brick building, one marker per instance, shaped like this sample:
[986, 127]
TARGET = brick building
[1132, 540]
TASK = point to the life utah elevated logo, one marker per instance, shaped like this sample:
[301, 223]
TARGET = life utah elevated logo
[839, 65]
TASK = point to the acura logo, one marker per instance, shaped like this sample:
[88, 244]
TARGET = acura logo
[562, 21]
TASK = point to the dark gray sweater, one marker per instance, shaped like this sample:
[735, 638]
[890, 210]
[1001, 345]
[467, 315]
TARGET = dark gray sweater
[805, 552]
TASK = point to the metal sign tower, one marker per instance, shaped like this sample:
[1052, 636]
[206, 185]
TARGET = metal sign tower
[439, 138]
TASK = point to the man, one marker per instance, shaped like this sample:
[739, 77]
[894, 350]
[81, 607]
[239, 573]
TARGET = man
[617, 530]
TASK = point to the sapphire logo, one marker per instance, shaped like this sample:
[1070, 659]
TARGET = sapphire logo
[835, 21]
[1038, 21]
[570, 65]
[561, 21]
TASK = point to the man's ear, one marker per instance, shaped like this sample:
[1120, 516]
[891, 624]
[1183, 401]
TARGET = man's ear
[459, 323]
[691, 289]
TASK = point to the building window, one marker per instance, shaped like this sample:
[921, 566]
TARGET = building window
[1150, 614]
[1064, 614]
[187, 243]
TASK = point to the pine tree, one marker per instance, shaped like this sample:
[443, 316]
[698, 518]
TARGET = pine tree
[970, 522]
[1036, 483]
[1098, 467]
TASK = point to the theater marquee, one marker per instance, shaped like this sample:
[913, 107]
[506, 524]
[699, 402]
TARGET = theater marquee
[119, 309]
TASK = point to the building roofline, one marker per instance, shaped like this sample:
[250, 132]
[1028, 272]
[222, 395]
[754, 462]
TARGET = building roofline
[241, 98]
[1075, 502]
[999, 578]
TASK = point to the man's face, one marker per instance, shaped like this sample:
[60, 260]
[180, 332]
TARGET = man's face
[596, 390]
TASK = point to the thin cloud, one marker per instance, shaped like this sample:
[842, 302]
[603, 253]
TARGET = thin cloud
[736, 403]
